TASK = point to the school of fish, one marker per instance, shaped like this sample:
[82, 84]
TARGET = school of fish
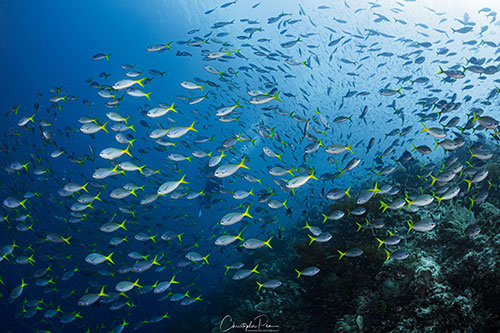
[164, 181]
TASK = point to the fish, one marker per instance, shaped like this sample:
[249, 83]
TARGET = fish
[311, 134]
[232, 218]
[269, 284]
[263, 99]
[398, 255]
[352, 253]
[227, 170]
[421, 226]
[244, 273]
[127, 83]
[309, 271]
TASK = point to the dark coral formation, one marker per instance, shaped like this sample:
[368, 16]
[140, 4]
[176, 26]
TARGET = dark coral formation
[448, 284]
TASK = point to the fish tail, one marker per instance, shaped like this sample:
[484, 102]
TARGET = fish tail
[324, 220]
[191, 128]
[410, 225]
[312, 239]
[126, 151]
[122, 225]
[433, 180]
[125, 119]
[469, 183]
[139, 82]
[254, 270]
[155, 262]
[108, 258]
[341, 172]
[242, 165]
[298, 273]
[380, 242]
[172, 280]
[276, 96]
[341, 254]
[101, 293]
[424, 128]
[471, 203]
[347, 192]
[409, 203]
[267, 243]
[260, 285]
[388, 255]
[383, 206]
[103, 127]
[475, 118]
[205, 258]
[136, 284]
[22, 203]
[284, 203]
[66, 240]
[239, 236]
[437, 144]
[246, 213]
[97, 197]
[182, 181]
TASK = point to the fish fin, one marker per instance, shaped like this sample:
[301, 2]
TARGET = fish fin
[341, 254]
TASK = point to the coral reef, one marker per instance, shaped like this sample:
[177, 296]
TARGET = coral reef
[449, 283]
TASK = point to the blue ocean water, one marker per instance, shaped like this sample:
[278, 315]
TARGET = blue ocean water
[356, 94]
